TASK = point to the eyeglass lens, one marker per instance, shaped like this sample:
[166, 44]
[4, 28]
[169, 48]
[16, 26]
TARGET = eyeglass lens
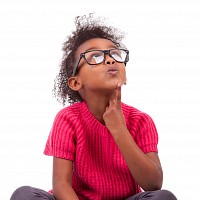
[97, 56]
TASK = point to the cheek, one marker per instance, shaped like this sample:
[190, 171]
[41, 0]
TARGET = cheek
[123, 76]
[124, 72]
[87, 76]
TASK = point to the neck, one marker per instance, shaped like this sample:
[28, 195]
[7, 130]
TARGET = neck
[97, 105]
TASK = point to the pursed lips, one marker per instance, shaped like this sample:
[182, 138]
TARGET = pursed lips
[112, 70]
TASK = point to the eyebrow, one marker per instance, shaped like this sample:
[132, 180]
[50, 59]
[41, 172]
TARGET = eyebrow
[94, 48]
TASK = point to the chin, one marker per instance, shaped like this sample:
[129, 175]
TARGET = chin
[121, 82]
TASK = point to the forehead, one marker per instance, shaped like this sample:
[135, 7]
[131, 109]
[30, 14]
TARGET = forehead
[95, 43]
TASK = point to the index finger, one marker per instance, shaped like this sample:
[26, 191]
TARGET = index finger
[115, 100]
[118, 95]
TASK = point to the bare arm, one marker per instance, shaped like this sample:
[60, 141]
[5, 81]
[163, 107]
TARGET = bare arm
[62, 176]
[145, 168]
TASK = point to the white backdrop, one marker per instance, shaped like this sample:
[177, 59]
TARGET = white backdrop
[163, 37]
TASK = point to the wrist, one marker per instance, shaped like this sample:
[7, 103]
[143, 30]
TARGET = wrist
[119, 132]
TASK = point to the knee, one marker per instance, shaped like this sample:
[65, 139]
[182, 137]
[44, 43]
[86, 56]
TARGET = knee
[167, 195]
[21, 193]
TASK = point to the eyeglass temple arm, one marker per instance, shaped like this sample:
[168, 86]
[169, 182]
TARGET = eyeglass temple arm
[76, 66]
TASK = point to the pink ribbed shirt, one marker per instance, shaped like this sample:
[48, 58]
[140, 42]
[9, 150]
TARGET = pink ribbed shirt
[99, 169]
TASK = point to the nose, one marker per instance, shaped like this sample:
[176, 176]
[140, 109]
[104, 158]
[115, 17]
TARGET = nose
[109, 60]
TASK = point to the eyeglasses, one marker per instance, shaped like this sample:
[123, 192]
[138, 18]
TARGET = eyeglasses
[95, 57]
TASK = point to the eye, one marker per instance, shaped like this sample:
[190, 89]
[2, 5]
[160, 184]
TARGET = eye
[116, 54]
[98, 58]
[119, 55]
[94, 57]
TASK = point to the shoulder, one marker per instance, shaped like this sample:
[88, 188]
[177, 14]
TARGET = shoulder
[133, 112]
[142, 128]
[136, 117]
[70, 113]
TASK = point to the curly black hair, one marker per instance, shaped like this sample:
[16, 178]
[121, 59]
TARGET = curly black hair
[87, 27]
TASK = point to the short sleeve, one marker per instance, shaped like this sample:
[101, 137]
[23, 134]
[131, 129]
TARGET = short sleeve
[61, 140]
[145, 132]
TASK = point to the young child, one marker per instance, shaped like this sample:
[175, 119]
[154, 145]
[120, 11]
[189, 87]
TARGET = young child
[102, 148]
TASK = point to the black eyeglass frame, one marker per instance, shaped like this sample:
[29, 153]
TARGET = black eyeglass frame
[82, 55]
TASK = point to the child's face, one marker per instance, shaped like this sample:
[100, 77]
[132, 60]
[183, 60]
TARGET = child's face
[104, 76]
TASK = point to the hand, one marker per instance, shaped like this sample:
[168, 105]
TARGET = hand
[113, 116]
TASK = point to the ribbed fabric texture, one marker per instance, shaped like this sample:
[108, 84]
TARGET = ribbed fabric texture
[99, 170]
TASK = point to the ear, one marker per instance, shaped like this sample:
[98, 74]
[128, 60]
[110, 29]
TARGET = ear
[74, 83]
